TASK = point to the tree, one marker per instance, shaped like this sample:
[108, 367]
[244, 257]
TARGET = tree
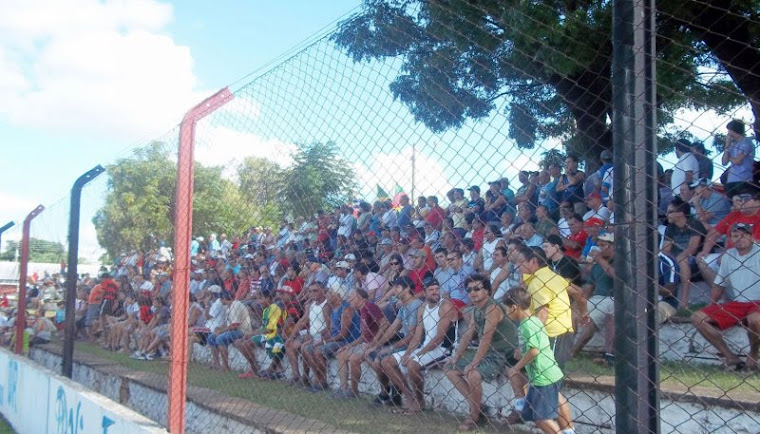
[261, 181]
[139, 208]
[317, 180]
[552, 156]
[550, 62]
[730, 31]
[43, 251]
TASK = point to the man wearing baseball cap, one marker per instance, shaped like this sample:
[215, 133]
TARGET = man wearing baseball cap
[739, 271]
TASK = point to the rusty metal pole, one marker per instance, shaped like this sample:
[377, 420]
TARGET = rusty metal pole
[24, 263]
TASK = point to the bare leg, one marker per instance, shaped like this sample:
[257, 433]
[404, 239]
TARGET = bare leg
[547, 426]
[565, 418]
[418, 386]
[685, 282]
[713, 335]
[246, 348]
[292, 348]
[393, 372]
[355, 371]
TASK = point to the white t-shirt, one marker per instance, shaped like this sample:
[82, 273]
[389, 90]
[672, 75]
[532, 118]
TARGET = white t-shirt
[503, 288]
[217, 315]
[487, 252]
[687, 163]
[741, 274]
[237, 313]
[603, 214]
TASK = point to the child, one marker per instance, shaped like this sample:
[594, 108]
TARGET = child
[544, 375]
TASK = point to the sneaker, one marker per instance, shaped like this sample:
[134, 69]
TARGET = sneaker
[148, 357]
[318, 388]
[382, 399]
[137, 355]
[514, 417]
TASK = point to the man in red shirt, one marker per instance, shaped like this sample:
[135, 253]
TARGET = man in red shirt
[436, 215]
[574, 243]
[746, 210]
[420, 272]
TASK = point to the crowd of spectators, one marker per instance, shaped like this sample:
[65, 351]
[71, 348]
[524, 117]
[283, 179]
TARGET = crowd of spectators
[402, 288]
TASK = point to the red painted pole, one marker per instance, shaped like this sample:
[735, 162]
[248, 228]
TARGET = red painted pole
[21, 308]
[183, 227]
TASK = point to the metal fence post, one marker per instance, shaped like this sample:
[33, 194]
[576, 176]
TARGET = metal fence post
[21, 307]
[634, 135]
[5, 228]
[71, 271]
[183, 227]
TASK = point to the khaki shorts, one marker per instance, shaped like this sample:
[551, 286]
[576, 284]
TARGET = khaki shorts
[599, 308]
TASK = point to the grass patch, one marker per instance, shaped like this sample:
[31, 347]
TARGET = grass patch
[5, 427]
[678, 374]
[358, 415]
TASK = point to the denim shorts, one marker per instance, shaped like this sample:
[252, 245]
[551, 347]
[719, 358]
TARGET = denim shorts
[225, 338]
[542, 402]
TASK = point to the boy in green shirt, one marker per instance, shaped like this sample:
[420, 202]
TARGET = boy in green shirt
[544, 375]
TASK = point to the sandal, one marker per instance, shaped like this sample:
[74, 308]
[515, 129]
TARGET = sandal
[734, 367]
[468, 425]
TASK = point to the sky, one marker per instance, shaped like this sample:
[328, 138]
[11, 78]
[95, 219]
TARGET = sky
[84, 82]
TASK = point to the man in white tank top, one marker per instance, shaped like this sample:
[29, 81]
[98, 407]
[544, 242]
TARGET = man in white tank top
[434, 319]
[307, 330]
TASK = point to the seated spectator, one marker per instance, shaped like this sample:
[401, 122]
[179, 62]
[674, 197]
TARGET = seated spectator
[246, 339]
[500, 265]
[344, 328]
[545, 226]
[484, 258]
[436, 215]
[599, 291]
[442, 271]
[454, 289]
[739, 271]
[427, 346]
[565, 212]
[574, 242]
[528, 233]
[340, 282]
[596, 208]
[746, 210]
[683, 238]
[593, 227]
[467, 247]
[351, 356]
[307, 331]
[395, 338]
[497, 341]
[710, 205]
[372, 283]
[420, 272]
[156, 333]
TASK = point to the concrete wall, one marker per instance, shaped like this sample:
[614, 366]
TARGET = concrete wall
[36, 400]
[592, 401]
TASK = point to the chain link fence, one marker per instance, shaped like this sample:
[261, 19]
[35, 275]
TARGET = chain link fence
[423, 222]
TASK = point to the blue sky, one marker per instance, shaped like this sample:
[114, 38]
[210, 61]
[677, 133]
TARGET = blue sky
[83, 81]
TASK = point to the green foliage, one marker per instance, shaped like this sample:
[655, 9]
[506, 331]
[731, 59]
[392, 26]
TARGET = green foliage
[139, 208]
[552, 156]
[548, 63]
[317, 180]
[43, 251]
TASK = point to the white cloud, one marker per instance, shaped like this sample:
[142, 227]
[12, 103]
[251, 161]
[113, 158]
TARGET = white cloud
[100, 68]
[223, 146]
[389, 169]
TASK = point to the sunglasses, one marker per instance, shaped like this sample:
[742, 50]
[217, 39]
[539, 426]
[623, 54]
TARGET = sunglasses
[474, 288]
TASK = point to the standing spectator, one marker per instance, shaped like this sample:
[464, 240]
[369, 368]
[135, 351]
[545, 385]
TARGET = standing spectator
[570, 186]
[497, 341]
[739, 156]
[543, 403]
[476, 205]
[706, 166]
[739, 270]
[686, 169]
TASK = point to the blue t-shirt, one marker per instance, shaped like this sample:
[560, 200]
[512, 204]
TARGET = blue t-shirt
[742, 172]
